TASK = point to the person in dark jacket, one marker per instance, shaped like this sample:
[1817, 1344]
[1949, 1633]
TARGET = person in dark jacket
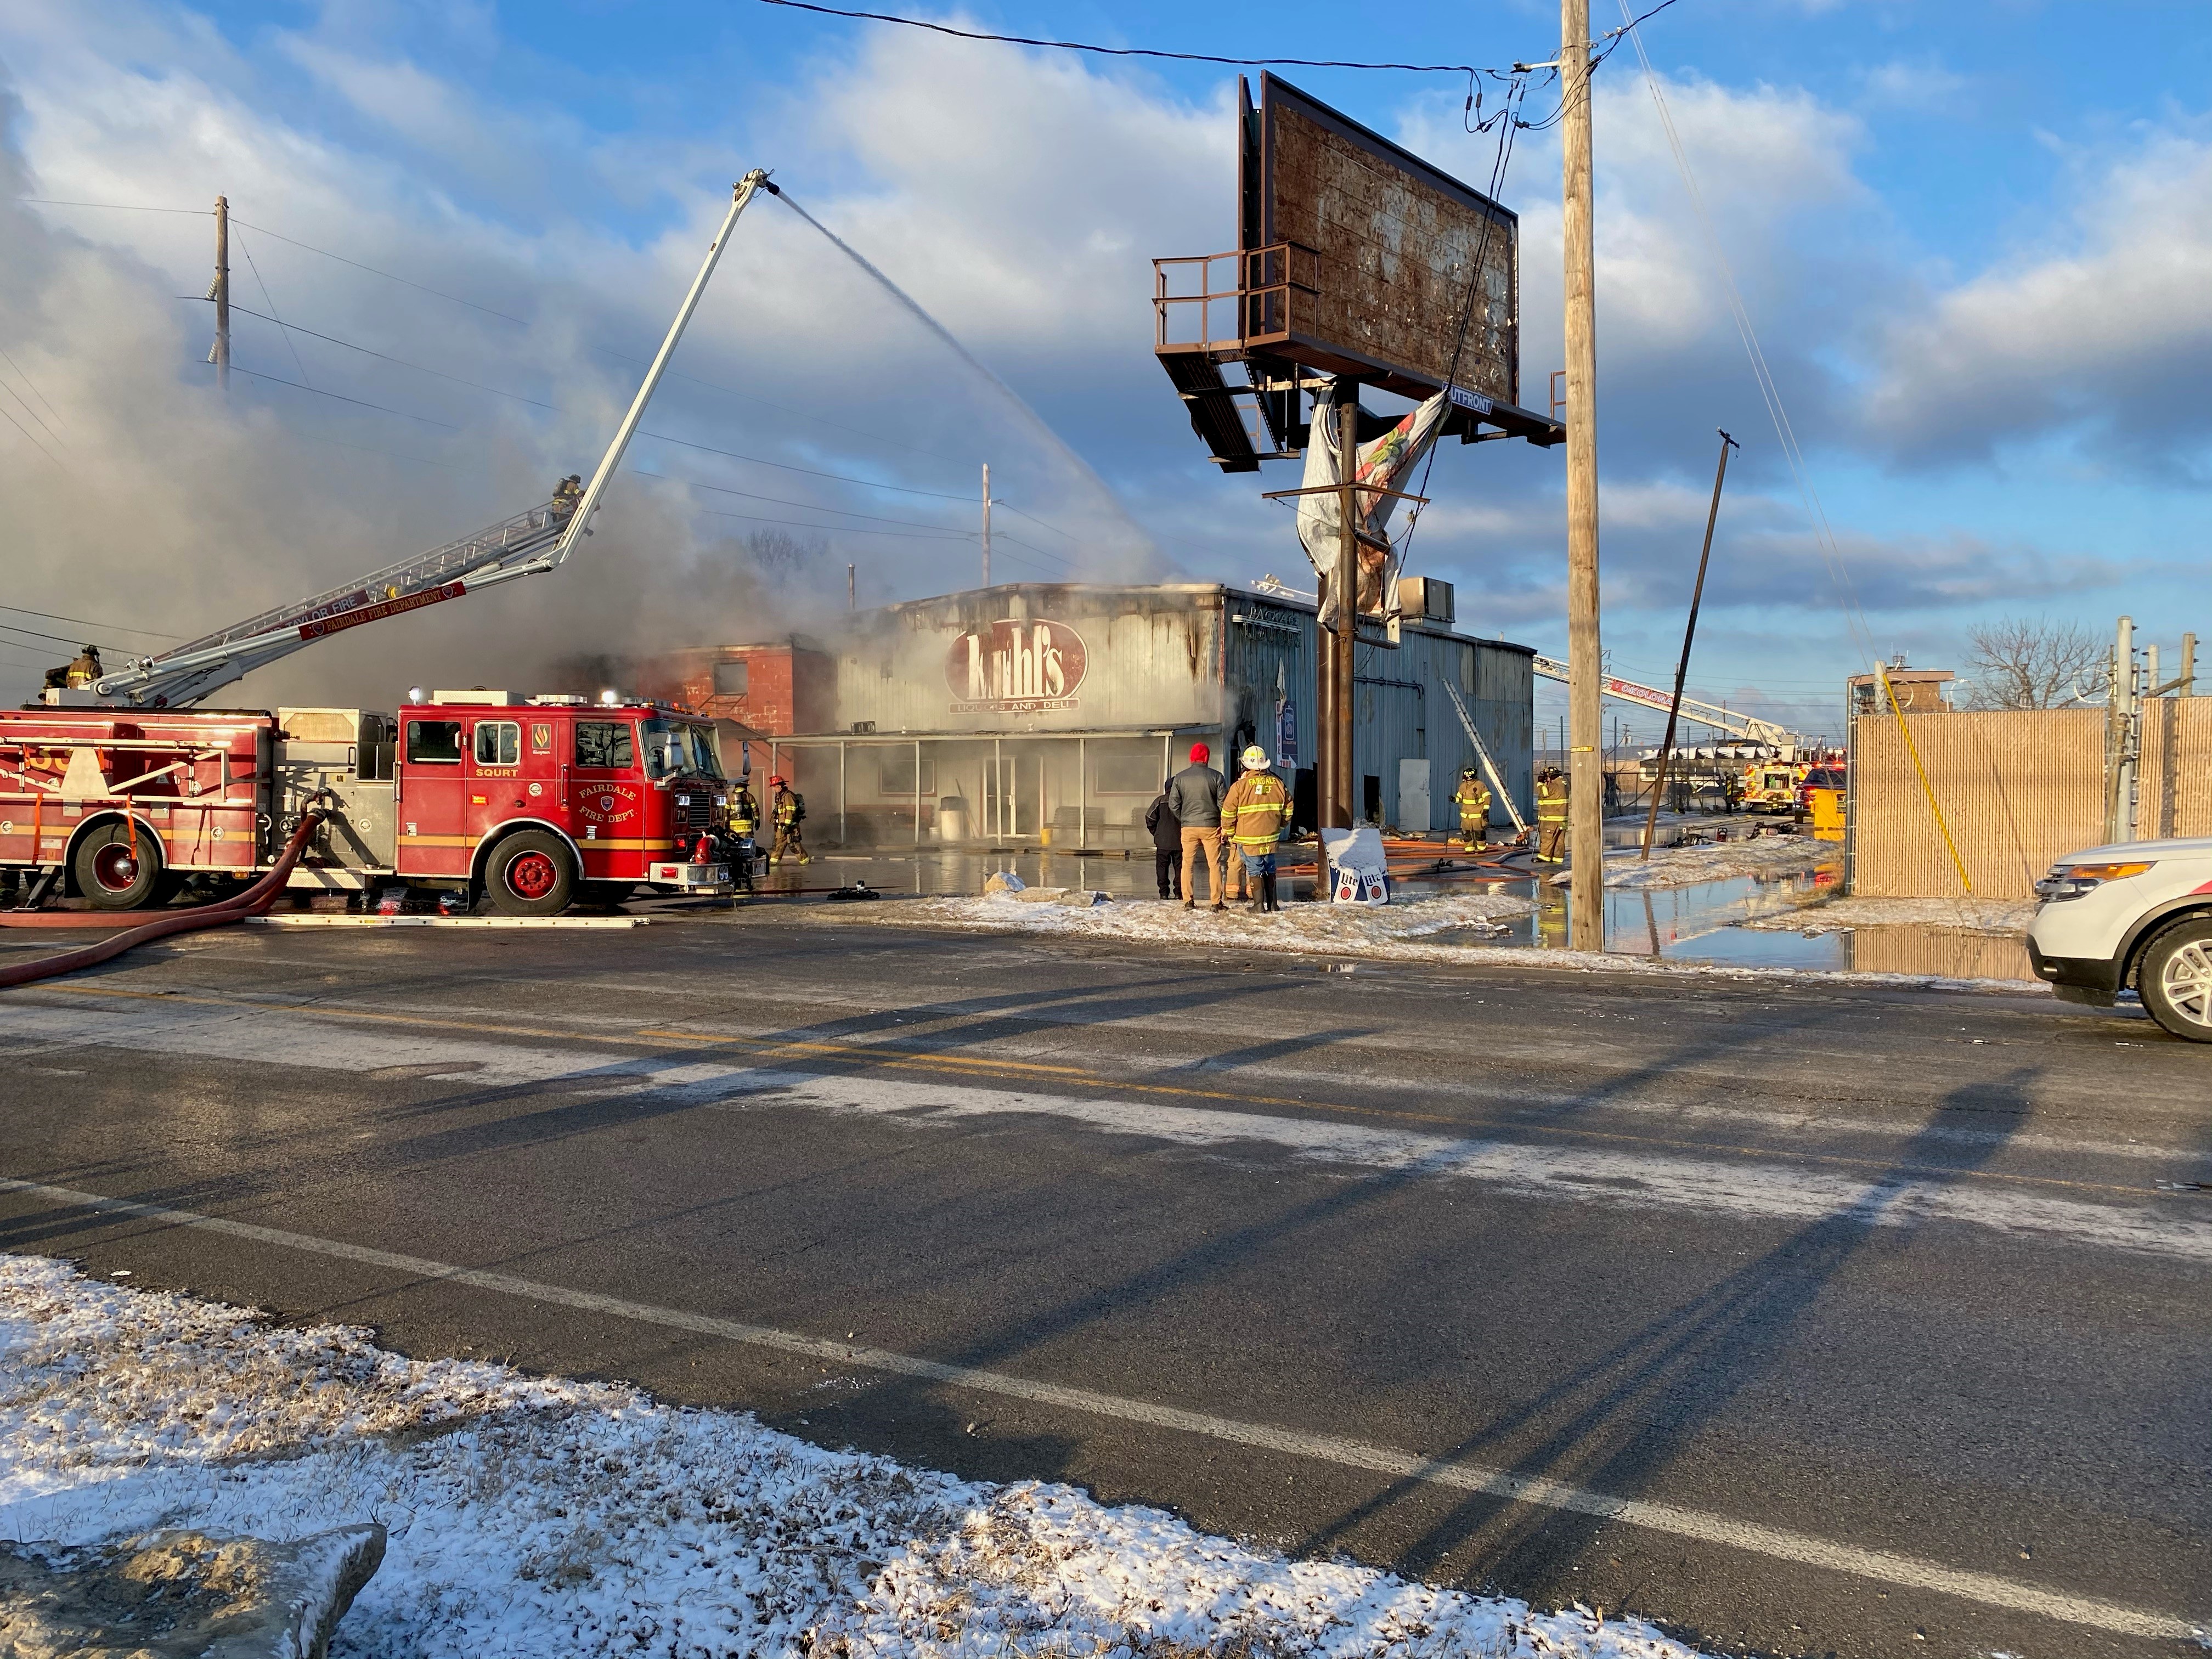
[1194, 797]
[1167, 843]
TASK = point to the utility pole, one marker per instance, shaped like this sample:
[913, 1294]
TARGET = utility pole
[987, 524]
[1585, 784]
[221, 293]
[1689, 633]
[2120, 724]
[851, 590]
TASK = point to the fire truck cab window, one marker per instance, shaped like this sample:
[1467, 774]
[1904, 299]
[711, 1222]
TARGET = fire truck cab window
[499, 742]
[670, 748]
[434, 742]
[605, 745]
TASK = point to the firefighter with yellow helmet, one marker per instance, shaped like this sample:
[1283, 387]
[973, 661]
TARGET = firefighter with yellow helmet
[1551, 816]
[1473, 799]
[789, 808]
[1253, 814]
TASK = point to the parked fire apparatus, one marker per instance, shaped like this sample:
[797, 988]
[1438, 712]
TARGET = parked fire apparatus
[123, 793]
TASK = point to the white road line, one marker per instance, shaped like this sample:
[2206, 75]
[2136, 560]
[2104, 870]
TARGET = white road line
[1879, 1565]
[1775, 1188]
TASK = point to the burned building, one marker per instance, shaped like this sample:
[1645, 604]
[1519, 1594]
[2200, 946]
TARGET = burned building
[1051, 712]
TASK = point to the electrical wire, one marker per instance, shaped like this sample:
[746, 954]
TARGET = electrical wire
[366, 351]
[112, 628]
[1508, 123]
[1825, 536]
[33, 436]
[32, 633]
[371, 270]
[382, 409]
[116, 207]
[270, 302]
[1126, 51]
[35, 393]
[778, 501]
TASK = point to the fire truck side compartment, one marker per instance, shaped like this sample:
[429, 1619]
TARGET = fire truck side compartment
[339, 759]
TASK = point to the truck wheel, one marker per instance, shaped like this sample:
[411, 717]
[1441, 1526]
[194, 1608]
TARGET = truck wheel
[2175, 979]
[107, 873]
[531, 874]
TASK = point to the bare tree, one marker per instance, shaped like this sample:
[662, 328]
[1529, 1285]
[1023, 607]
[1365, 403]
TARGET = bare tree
[2035, 663]
[780, 553]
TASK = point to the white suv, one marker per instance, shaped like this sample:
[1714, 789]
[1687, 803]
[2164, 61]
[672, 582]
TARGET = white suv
[2137, 914]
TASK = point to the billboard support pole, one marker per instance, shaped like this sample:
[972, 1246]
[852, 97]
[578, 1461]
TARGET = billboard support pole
[1346, 584]
[1586, 774]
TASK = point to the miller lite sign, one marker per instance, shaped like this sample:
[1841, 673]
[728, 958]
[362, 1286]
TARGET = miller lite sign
[1018, 665]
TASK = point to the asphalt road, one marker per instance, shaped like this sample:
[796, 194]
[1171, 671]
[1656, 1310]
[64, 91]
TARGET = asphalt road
[1808, 1319]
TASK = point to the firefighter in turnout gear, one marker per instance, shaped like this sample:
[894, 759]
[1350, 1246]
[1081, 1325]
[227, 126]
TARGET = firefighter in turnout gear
[744, 826]
[1253, 814]
[789, 808]
[1472, 798]
[1551, 816]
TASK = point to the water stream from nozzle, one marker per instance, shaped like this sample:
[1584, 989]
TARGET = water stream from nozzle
[1035, 422]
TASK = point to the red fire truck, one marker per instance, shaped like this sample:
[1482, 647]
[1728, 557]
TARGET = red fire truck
[531, 802]
[113, 787]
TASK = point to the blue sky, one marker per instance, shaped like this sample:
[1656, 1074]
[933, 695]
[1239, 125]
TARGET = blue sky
[1974, 239]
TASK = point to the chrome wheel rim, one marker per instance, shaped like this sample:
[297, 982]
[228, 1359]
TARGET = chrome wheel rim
[2186, 982]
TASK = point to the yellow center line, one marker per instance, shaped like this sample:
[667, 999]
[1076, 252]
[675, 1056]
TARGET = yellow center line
[967, 1066]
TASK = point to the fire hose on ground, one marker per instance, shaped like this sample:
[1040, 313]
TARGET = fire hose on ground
[254, 902]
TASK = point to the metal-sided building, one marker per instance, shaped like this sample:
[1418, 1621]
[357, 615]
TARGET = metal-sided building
[1035, 710]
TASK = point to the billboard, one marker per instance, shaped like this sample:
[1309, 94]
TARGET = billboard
[1395, 241]
[1354, 257]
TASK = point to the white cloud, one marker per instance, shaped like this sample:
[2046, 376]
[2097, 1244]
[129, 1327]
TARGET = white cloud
[2103, 324]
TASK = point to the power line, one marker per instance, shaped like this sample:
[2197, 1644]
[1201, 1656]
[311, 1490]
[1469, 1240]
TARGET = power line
[114, 627]
[368, 352]
[33, 436]
[778, 501]
[372, 270]
[276, 380]
[28, 381]
[849, 529]
[270, 300]
[1127, 52]
[731, 391]
[117, 207]
[35, 634]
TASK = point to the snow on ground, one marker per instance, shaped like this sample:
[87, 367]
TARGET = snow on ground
[1960, 914]
[1402, 932]
[530, 1518]
[1685, 866]
[1342, 929]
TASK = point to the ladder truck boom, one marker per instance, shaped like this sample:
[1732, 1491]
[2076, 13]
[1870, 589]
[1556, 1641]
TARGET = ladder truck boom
[528, 544]
[1748, 727]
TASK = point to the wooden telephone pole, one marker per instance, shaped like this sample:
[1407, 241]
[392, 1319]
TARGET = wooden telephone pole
[1585, 765]
[987, 525]
[221, 293]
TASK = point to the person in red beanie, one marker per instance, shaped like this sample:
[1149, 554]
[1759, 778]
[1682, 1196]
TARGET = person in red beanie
[1194, 798]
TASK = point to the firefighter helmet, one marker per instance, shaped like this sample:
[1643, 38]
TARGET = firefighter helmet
[1255, 759]
[777, 781]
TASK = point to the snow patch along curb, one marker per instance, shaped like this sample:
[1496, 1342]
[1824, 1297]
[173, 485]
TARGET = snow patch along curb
[1387, 933]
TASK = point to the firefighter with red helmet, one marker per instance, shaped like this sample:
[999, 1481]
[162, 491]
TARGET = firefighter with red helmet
[787, 808]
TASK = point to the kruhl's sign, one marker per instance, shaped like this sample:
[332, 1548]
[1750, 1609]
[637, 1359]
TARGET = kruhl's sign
[1018, 665]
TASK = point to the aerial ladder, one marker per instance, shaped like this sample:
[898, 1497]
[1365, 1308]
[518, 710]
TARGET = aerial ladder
[1746, 728]
[529, 543]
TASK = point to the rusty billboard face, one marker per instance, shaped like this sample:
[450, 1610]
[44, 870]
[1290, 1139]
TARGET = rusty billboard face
[1355, 258]
[1395, 242]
